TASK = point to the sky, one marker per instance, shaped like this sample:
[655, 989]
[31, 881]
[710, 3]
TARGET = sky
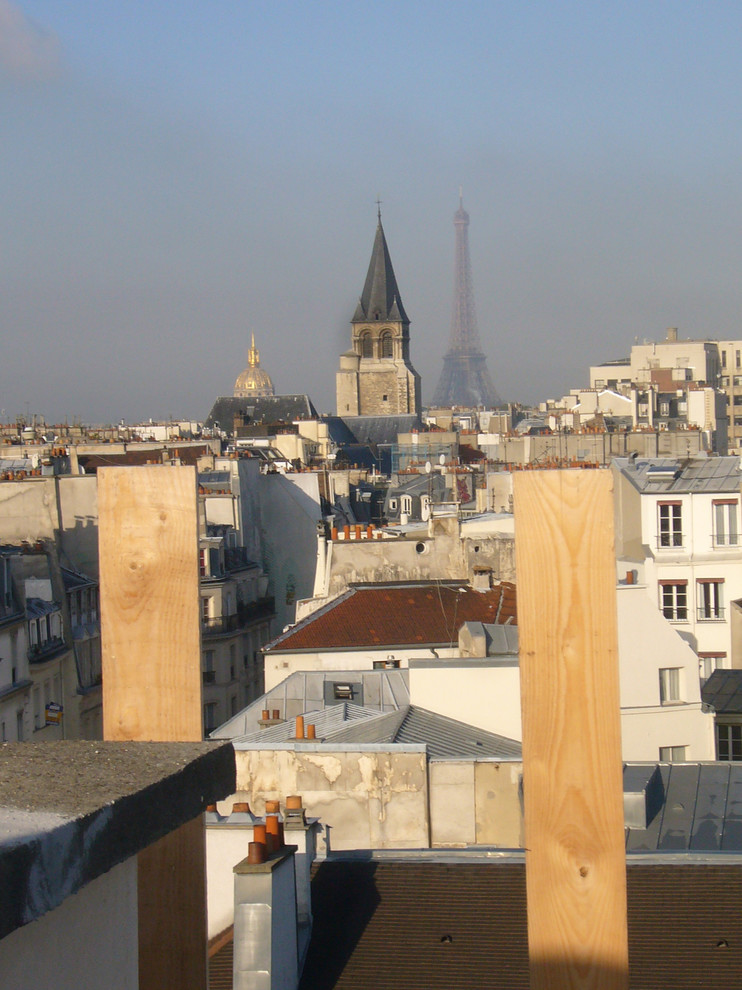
[175, 176]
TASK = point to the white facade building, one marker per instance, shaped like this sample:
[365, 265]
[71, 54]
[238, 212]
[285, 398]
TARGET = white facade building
[678, 524]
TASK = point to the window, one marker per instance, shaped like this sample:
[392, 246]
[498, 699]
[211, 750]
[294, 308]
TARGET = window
[737, 359]
[723, 359]
[728, 742]
[209, 717]
[232, 660]
[709, 662]
[670, 524]
[669, 685]
[672, 754]
[209, 672]
[206, 609]
[709, 598]
[674, 600]
[367, 346]
[37, 720]
[405, 504]
[343, 691]
[387, 346]
[202, 562]
[19, 726]
[726, 530]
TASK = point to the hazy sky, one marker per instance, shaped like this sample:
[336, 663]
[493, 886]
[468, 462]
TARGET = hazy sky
[176, 175]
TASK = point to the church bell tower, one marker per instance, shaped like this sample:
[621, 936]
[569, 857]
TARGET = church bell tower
[376, 377]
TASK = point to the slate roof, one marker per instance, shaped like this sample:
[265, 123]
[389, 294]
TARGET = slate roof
[74, 579]
[692, 807]
[667, 475]
[381, 429]
[723, 692]
[459, 923]
[260, 409]
[377, 616]
[380, 291]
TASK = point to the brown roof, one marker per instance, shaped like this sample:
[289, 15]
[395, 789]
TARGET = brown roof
[398, 615]
[393, 925]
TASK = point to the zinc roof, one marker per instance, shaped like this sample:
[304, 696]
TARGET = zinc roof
[304, 691]
[691, 807]
[398, 615]
[723, 691]
[345, 723]
[665, 475]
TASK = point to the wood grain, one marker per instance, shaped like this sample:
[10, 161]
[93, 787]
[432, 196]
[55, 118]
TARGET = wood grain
[150, 622]
[572, 768]
[151, 645]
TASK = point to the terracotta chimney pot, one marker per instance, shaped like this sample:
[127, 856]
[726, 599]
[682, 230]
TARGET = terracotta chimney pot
[256, 852]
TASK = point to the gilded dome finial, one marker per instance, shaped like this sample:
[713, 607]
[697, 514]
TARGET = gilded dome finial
[253, 380]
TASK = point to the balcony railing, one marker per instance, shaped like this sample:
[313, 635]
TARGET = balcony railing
[209, 677]
[671, 541]
[724, 541]
[221, 624]
[41, 651]
[246, 613]
[710, 614]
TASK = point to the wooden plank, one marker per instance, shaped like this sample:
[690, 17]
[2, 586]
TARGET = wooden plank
[150, 622]
[572, 767]
[173, 930]
[151, 645]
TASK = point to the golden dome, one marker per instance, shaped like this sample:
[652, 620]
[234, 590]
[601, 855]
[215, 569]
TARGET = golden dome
[253, 380]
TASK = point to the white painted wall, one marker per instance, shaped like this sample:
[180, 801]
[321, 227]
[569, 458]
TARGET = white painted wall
[647, 643]
[226, 846]
[89, 941]
[484, 693]
[279, 666]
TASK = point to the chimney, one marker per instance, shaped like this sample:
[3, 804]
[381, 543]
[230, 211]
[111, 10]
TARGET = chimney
[672, 334]
[482, 578]
[265, 928]
[302, 833]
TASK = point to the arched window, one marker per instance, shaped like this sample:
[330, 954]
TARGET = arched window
[387, 345]
[367, 345]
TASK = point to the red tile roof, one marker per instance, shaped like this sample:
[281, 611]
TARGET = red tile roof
[427, 614]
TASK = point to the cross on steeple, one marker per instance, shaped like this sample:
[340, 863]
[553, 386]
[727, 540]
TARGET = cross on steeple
[378, 207]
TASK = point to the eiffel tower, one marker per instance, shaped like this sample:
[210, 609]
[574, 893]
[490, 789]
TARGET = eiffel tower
[464, 380]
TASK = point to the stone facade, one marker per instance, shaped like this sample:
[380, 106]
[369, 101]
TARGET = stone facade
[376, 377]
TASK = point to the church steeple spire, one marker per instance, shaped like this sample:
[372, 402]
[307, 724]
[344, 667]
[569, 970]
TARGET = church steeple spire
[380, 299]
[376, 377]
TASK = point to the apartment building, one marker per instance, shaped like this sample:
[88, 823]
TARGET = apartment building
[678, 531]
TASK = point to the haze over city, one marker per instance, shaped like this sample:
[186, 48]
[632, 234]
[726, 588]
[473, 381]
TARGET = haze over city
[176, 177]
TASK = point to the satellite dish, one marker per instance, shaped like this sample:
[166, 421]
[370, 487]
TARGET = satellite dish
[428, 467]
